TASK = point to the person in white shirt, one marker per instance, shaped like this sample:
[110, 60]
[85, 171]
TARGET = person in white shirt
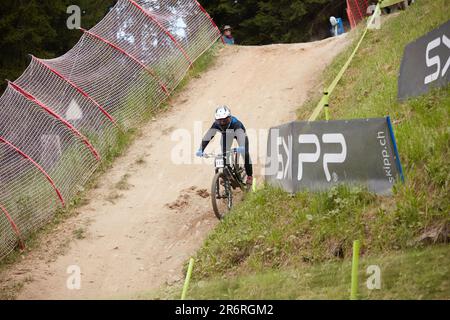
[371, 9]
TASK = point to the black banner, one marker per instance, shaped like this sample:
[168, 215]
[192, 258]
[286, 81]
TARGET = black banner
[425, 63]
[319, 155]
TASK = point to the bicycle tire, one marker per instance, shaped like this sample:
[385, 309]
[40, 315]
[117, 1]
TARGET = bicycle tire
[214, 200]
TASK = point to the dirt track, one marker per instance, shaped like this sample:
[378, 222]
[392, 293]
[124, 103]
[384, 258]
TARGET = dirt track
[138, 233]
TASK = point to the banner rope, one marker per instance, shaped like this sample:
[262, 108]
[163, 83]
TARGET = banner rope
[324, 102]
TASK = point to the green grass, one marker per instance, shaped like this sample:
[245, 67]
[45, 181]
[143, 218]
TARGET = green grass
[272, 235]
[274, 230]
[123, 183]
[79, 233]
[413, 274]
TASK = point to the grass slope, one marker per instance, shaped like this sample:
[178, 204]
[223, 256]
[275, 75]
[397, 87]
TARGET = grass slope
[416, 274]
[272, 235]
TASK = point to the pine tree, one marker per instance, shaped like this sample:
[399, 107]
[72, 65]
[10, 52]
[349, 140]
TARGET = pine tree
[268, 21]
[39, 27]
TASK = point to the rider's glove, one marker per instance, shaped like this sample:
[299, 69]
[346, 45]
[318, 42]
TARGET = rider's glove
[240, 150]
[199, 153]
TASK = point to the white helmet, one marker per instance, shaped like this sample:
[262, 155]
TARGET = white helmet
[333, 21]
[222, 112]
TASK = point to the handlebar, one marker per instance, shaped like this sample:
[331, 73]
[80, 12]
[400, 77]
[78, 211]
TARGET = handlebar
[215, 155]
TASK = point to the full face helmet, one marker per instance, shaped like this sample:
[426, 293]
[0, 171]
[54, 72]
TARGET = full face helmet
[223, 117]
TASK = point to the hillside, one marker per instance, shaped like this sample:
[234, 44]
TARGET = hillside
[135, 227]
[277, 246]
[147, 214]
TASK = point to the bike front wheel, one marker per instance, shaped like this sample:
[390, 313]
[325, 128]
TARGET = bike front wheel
[221, 195]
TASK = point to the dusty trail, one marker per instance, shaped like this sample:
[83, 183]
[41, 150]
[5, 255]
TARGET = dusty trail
[138, 233]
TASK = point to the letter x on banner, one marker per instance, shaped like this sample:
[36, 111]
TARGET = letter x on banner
[425, 63]
[318, 155]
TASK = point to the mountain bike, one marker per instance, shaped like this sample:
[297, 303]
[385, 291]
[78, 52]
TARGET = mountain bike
[230, 177]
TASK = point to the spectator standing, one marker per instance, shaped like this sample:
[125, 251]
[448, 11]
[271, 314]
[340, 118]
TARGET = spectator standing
[227, 36]
[371, 9]
[337, 26]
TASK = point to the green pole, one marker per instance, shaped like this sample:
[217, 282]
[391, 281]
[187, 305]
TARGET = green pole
[327, 106]
[188, 279]
[355, 265]
[323, 103]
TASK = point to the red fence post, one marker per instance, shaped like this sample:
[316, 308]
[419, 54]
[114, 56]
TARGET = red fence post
[359, 10]
[116, 47]
[30, 97]
[164, 30]
[211, 19]
[348, 17]
[351, 18]
[38, 166]
[81, 91]
[14, 227]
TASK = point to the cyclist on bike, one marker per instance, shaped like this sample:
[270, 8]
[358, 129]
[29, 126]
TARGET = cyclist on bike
[230, 128]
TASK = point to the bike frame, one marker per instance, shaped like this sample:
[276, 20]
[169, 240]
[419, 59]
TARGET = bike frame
[231, 169]
[231, 179]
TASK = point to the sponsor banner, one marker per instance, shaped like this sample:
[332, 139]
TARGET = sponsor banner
[425, 63]
[318, 155]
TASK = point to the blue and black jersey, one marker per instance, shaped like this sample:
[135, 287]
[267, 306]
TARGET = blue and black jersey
[236, 130]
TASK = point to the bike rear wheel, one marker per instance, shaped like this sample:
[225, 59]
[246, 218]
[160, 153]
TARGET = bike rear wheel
[221, 195]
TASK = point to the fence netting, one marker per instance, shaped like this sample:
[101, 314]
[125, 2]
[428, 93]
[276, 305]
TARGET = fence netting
[62, 115]
[357, 11]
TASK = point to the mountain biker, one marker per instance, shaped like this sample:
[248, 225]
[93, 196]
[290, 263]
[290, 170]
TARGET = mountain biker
[230, 128]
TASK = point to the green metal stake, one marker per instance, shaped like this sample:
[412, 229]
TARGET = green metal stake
[355, 266]
[188, 279]
[254, 185]
[327, 106]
